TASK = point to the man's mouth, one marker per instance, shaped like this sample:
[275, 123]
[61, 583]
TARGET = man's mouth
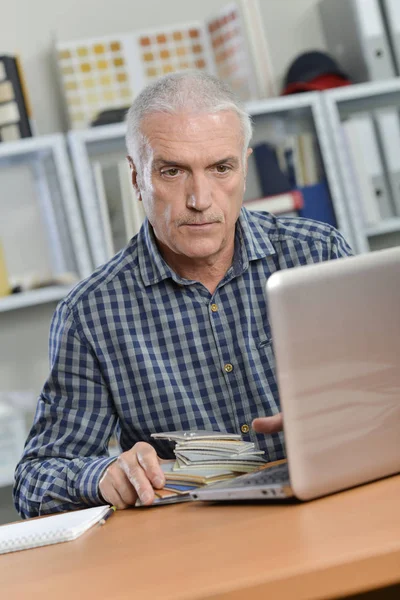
[198, 223]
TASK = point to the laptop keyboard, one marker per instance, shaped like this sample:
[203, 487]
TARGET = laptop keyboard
[270, 476]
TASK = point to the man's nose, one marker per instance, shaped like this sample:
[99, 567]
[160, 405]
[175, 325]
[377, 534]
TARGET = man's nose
[198, 193]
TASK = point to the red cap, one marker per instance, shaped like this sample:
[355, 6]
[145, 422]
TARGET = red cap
[322, 82]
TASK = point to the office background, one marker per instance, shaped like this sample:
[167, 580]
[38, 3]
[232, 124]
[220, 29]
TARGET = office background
[30, 30]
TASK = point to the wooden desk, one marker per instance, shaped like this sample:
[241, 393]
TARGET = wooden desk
[342, 544]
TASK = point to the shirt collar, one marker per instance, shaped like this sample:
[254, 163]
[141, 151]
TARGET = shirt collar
[153, 267]
[251, 243]
[255, 240]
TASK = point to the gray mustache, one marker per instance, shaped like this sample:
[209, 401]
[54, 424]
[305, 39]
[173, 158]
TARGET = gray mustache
[197, 222]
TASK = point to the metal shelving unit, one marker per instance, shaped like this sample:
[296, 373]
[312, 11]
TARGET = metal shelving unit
[338, 104]
[86, 145]
[321, 113]
[33, 297]
[46, 158]
[295, 114]
[389, 226]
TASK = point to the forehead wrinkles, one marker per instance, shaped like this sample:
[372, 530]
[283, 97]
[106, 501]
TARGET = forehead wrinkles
[198, 155]
[192, 130]
[195, 153]
[164, 143]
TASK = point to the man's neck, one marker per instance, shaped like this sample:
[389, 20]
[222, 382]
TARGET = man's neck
[207, 271]
[209, 276]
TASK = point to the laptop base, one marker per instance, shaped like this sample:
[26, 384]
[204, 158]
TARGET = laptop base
[267, 484]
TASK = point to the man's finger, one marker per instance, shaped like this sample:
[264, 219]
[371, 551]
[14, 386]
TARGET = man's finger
[111, 495]
[137, 478]
[124, 488]
[268, 424]
[118, 501]
[148, 460]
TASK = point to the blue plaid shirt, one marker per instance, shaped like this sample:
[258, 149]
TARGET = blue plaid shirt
[136, 349]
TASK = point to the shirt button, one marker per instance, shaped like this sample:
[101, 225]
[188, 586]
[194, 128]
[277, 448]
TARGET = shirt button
[228, 368]
[214, 307]
[245, 428]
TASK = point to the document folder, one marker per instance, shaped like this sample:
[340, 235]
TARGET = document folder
[388, 127]
[391, 15]
[356, 37]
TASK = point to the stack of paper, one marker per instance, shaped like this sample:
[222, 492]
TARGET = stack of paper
[179, 483]
[204, 457]
[51, 529]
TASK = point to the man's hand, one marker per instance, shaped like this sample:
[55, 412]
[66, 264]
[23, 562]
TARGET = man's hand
[134, 473]
[268, 424]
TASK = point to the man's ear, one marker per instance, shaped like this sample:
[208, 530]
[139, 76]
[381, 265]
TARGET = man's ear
[134, 177]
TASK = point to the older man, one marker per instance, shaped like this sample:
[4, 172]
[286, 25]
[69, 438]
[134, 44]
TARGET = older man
[173, 332]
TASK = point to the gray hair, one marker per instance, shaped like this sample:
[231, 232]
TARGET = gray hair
[196, 91]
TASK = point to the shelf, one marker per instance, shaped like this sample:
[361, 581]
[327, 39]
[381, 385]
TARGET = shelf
[340, 103]
[297, 104]
[367, 96]
[388, 226]
[7, 481]
[26, 149]
[34, 297]
[55, 198]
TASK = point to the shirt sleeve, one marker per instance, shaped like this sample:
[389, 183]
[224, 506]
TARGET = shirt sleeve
[339, 248]
[67, 448]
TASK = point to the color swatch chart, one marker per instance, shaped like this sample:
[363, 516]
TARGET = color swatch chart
[177, 48]
[108, 72]
[229, 49]
[96, 75]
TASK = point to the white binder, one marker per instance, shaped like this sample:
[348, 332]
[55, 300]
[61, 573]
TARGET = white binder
[356, 37]
[369, 169]
[388, 128]
[52, 220]
[373, 162]
[391, 15]
[104, 209]
[364, 196]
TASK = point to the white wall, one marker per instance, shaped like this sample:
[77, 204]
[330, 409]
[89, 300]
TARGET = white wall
[23, 347]
[28, 27]
[291, 27]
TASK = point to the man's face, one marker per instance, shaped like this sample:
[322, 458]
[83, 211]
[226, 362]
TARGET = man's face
[193, 181]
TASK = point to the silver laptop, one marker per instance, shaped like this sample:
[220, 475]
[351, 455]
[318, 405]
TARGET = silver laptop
[336, 336]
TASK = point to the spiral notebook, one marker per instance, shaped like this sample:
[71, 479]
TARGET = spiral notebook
[50, 530]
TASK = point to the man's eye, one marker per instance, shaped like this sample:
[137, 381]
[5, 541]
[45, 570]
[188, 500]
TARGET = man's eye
[171, 172]
[222, 168]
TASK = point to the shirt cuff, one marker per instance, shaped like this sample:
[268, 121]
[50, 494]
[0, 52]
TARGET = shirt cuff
[88, 483]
